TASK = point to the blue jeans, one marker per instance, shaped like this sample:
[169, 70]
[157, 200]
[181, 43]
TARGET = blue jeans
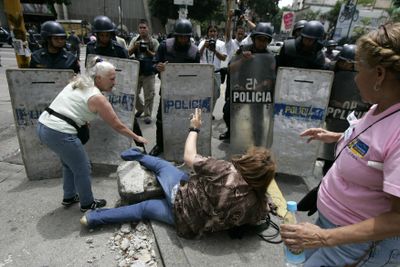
[382, 253]
[154, 209]
[75, 162]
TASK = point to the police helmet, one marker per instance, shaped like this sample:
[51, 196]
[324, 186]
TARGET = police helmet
[331, 43]
[313, 30]
[102, 24]
[183, 27]
[299, 25]
[348, 53]
[262, 29]
[51, 28]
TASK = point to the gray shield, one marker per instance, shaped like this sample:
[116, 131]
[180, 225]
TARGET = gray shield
[31, 91]
[105, 144]
[301, 100]
[185, 87]
[252, 82]
[344, 99]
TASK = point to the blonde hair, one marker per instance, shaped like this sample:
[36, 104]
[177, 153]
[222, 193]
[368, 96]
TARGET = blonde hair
[95, 67]
[381, 47]
[257, 168]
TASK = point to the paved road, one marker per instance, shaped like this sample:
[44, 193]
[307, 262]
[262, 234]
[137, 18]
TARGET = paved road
[36, 231]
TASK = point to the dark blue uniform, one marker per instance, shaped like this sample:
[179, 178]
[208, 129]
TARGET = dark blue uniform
[62, 60]
[112, 50]
[292, 55]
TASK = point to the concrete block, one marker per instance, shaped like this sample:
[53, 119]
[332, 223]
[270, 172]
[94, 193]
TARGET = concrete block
[136, 183]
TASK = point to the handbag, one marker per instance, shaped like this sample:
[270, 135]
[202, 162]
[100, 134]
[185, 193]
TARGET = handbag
[83, 131]
[309, 201]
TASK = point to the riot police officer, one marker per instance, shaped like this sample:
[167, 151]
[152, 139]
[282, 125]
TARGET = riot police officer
[104, 45]
[261, 37]
[306, 50]
[344, 99]
[330, 53]
[53, 54]
[298, 26]
[177, 49]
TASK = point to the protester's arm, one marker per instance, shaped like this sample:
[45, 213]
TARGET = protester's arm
[321, 135]
[228, 27]
[100, 104]
[307, 235]
[190, 151]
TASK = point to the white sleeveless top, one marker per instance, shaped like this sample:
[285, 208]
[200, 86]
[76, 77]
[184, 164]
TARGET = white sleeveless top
[72, 103]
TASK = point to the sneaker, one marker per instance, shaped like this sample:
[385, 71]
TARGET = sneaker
[67, 202]
[97, 203]
[147, 120]
[157, 150]
[138, 114]
[84, 221]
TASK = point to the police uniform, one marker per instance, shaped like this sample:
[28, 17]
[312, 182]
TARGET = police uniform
[61, 60]
[168, 51]
[112, 50]
[292, 55]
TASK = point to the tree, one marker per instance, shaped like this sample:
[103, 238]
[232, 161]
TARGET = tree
[265, 10]
[332, 17]
[201, 10]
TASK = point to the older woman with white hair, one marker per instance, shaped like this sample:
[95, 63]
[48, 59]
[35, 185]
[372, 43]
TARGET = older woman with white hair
[80, 101]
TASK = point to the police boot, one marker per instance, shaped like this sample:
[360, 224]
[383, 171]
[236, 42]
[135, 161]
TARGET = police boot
[157, 150]
[226, 135]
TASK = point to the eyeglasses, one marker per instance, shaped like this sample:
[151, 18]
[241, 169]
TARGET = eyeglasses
[385, 43]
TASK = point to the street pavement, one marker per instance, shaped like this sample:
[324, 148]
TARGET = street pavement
[37, 231]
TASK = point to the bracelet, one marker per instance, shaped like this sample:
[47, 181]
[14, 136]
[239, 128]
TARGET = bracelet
[192, 129]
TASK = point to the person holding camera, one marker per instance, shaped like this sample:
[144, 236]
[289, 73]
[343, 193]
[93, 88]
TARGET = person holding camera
[80, 101]
[144, 48]
[213, 51]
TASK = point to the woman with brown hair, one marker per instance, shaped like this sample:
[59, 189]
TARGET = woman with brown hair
[218, 196]
[359, 198]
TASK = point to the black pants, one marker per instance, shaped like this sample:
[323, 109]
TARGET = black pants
[138, 131]
[159, 129]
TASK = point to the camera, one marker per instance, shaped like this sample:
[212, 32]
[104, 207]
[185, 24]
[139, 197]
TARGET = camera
[143, 46]
[238, 12]
[211, 44]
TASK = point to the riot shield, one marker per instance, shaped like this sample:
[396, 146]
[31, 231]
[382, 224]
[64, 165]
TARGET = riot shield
[344, 99]
[301, 100]
[252, 82]
[105, 144]
[31, 91]
[185, 87]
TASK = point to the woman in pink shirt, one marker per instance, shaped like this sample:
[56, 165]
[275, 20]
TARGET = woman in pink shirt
[359, 198]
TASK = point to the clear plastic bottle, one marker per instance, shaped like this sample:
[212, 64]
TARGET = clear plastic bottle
[292, 258]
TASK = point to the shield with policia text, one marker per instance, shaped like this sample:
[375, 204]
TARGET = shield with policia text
[344, 99]
[31, 91]
[252, 83]
[105, 144]
[185, 87]
[301, 100]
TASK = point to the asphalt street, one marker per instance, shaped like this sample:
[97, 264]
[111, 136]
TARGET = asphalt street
[37, 231]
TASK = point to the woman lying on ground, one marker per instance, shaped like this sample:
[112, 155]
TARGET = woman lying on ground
[220, 195]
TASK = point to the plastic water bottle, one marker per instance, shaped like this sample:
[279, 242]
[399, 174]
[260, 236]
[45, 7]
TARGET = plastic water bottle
[293, 258]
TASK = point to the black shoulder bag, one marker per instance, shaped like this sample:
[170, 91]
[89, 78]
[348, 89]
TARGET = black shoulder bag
[309, 201]
[83, 131]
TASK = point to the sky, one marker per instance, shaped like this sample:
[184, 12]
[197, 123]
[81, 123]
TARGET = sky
[283, 3]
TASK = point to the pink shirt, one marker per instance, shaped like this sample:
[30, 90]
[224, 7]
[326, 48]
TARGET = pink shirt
[352, 191]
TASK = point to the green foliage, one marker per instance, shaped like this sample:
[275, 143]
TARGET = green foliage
[332, 17]
[396, 3]
[266, 10]
[310, 15]
[394, 14]
[201, 10]
[360, 30]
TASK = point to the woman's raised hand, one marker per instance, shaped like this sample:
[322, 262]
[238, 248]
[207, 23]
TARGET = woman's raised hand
[195, 121]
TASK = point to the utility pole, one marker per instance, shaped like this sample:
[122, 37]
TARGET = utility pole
[351, 20]
[13, 10]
